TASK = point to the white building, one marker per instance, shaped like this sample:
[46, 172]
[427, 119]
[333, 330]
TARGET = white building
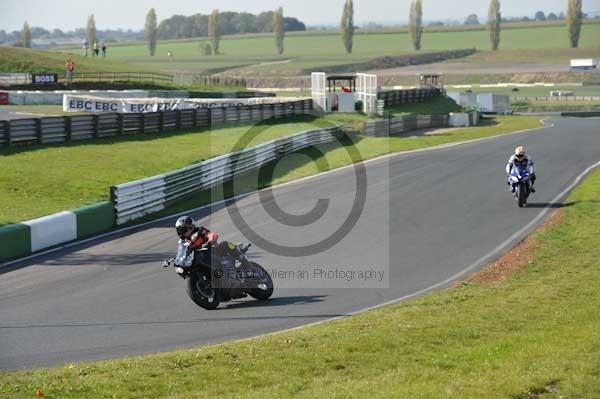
[583, 64]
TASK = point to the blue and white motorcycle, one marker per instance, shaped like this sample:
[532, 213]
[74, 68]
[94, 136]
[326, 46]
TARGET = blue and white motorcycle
[519, 180]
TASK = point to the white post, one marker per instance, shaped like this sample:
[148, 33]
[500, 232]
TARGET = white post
[367, 92]
[319, 94]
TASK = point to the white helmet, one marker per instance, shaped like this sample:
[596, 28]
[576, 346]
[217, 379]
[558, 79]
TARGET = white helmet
[520, 151]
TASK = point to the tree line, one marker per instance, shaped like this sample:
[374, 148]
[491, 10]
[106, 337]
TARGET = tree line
[183, 27]
[574, 19]
[473, 19]
[58, 35]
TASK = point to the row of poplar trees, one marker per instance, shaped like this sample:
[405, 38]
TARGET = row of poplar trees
[415, 23]
[347, 28]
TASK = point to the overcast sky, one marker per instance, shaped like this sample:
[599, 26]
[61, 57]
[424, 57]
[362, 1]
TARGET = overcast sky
[69, 14]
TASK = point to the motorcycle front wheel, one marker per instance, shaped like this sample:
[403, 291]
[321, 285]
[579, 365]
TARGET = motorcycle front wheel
[522, 194]
[199, 290]
[263, 282]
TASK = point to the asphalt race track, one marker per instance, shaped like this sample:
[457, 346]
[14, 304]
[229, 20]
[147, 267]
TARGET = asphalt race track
[431, 217]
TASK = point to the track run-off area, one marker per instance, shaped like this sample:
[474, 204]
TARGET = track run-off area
[430, 217]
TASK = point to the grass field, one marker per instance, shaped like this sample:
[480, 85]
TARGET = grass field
[533, 335]
[554, 106]
[85, 170]
[257, 53]
[13, 59]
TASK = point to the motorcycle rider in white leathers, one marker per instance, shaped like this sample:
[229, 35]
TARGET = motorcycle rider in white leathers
[522, 161]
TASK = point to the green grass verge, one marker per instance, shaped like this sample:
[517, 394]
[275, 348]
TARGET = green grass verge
[256, 55]
[554, 106]
[13, 59]
[85, 170]
[534, 335]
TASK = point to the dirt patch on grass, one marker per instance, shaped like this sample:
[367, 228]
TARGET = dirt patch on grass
[514, 260]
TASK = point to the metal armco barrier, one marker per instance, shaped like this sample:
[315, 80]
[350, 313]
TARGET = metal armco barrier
[395, 126]
[58, 129]
[139, 198]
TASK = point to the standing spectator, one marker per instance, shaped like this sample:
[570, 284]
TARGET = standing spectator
[96, 49]
[70, 69]
[103, 50]
[85, 47]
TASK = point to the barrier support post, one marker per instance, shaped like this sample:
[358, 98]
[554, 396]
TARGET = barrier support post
[119, 124]
[178, 119]
[7, 134]
[68, 132]
[95, 126]
[38, 130]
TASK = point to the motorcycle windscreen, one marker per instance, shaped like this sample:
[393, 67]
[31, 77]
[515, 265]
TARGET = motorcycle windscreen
[183, 259]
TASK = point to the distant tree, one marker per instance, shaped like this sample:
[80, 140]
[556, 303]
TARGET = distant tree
[472, 20]
[205, 48]
[494, 18]
[37, 32]
[26, 35]
[278, 29]
[347, 26]
[243, 22]
[540, 16]
[180, 26]
[561, 16]
[415, 23]
[574, 17]
[214, 32]
[552, 17]
[151, 31]
[90, 30]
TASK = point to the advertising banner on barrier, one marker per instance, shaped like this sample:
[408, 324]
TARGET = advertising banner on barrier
[122, 105]
[82, 103]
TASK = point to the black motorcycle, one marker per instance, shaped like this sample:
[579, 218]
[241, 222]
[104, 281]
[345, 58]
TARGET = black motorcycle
[212, 279]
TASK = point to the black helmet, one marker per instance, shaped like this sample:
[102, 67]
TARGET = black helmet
[183, 225]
